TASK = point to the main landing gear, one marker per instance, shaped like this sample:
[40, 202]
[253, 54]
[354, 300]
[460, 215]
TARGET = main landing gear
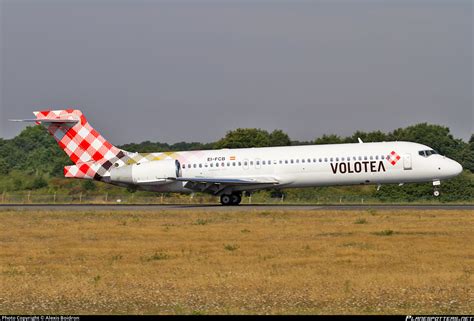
[231, 199]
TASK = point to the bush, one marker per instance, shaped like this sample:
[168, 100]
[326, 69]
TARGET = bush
[4, 168]
[39, 182]
[88, 185]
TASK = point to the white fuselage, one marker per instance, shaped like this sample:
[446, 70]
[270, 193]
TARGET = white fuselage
[317, 165]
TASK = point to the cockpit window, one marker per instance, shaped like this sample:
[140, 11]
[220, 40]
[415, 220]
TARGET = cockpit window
[426, 153]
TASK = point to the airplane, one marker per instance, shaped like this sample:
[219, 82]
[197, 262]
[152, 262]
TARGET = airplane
[228, 173]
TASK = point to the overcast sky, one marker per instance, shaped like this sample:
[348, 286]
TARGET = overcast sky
[192, 70]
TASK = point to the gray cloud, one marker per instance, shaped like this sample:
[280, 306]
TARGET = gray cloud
[192, 70]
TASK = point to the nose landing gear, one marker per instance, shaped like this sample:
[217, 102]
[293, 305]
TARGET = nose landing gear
[436, 185]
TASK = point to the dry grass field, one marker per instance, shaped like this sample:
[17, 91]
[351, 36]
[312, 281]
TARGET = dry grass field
[263, 262]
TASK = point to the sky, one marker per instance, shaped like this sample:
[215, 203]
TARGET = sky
[192, 70]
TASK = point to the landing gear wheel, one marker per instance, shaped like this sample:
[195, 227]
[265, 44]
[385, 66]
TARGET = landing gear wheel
[436, 185]
[226, 199]
[236, 199]
[231, 199]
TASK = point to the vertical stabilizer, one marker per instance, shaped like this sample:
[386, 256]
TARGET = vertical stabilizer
[91, 153]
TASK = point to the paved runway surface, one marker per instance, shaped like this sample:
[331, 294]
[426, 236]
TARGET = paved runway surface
[218, 207]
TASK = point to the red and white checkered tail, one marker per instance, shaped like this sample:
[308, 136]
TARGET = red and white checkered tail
[92, 155]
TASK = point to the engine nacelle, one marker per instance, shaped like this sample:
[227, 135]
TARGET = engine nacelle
[152, 172]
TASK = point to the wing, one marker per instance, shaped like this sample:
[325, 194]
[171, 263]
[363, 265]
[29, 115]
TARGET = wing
[217, 185]
[233, 181]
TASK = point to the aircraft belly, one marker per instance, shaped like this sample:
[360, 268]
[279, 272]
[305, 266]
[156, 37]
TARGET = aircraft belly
[173, 187]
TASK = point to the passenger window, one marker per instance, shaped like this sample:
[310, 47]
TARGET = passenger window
[337, 159]
[331, 159]
[314, 160]
[325, 160]
[286, 161]
[371, 157]
[291, 161]
[233, 163]
[211, 164]
[228, 164]
[222, 164]
[217, 164]
[251, 163]
[320, 160]
[184, 166]
[205, 165]
[245, 163]
[365, 157]
[280, 161]
[297, 160]
[194, 165]
[302, 160]
[263, 163]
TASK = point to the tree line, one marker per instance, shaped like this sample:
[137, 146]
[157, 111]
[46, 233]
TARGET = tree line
[32, 159]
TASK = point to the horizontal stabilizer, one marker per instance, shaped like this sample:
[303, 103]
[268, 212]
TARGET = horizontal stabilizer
[58, 121]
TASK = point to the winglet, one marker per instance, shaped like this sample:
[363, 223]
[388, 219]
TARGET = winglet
[360, 140]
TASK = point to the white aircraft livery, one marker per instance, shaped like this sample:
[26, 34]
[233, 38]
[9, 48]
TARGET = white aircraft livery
[230, 172]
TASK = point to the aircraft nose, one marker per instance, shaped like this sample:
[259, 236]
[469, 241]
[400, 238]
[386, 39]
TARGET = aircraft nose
[454, 168]
[457, 168]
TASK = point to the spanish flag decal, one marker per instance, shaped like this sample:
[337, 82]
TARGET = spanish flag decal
[232, 157]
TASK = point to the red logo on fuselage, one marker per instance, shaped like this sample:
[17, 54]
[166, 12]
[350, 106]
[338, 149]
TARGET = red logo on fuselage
[393, 158]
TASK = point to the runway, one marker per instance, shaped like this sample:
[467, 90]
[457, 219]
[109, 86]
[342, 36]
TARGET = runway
[218, 207]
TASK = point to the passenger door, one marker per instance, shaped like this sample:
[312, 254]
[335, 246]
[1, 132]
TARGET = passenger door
[407, 162]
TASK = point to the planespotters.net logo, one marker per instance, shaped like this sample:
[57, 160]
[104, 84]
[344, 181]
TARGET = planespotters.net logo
[439, 318]
[393, 157]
